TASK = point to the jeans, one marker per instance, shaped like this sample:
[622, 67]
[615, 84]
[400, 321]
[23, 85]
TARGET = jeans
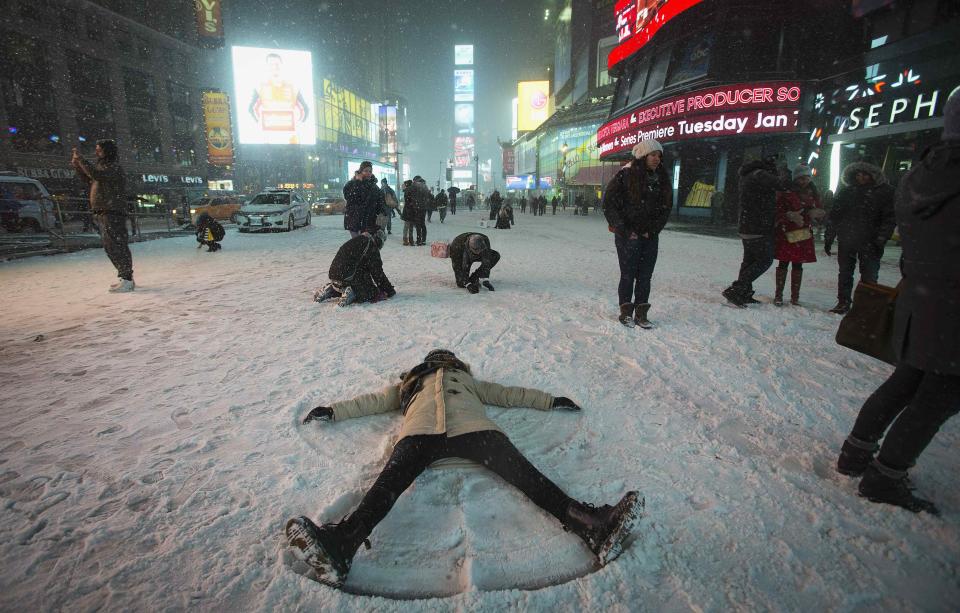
[113, 235]
[757, 259]
[637, 257]
[408, 231]
[917, 403]
[847, 257]
[413, 454]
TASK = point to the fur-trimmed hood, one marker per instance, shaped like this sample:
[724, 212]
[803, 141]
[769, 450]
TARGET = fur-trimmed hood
[870, 169]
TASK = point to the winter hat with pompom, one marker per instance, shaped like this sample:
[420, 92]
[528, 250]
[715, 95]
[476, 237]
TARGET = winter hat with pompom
[646, 147]
[802, 170]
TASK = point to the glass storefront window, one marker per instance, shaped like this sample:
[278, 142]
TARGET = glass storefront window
[692, 58]
[658, 72]
[638, 81]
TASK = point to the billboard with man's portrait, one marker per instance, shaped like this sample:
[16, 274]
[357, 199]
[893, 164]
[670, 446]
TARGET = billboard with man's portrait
[273, 91]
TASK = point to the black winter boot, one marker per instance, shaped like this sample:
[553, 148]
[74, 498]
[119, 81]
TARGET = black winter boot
[626, 315]
[604, 529]
[883, 484]
[328, 549]
[855, 456]
[640, 317]
[781, 281]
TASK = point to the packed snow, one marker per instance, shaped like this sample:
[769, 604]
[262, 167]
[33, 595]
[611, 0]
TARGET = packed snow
[151, 449]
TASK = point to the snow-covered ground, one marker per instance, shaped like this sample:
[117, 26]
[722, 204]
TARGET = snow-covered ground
[151, 452]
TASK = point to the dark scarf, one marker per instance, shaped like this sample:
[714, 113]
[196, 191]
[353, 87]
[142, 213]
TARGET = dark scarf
[412, 380]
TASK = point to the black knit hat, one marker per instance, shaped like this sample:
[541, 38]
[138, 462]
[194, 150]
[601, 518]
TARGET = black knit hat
[366, 164]
[439, 354]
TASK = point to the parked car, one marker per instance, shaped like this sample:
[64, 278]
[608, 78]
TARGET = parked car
[274, 209]
[221, 208]
[329, 206]
[25, 205]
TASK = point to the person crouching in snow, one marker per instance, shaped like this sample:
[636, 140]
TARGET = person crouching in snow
[465, 250]
[797, 207]
[505, 217]
[209, 232]
[443, 417]
[356, 273]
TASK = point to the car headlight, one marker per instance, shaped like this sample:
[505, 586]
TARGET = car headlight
[193, 211]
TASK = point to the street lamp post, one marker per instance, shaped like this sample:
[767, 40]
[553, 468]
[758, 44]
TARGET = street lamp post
[562, 169]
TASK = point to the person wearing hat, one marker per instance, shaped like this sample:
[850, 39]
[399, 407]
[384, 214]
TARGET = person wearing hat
[364, 201]
[356, 273]
[637, 204]
[923, 392]
[444, 417]
[466, 250]
[797, 207]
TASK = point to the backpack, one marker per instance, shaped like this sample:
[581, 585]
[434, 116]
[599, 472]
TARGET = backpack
[216, 230]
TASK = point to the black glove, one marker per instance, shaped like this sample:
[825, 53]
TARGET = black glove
[319, 414]
[473, 288]
[564, 403]
[827, 246]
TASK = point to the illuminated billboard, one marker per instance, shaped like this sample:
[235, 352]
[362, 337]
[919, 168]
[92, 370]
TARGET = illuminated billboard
[209, 23]
[381, 171]
[638, 20]
[273, 91]
[533, 104]
[463, 148]
[463, 118]
[216, 117]
[463, 55]
[463, 85]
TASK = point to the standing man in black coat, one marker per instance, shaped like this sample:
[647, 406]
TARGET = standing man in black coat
[496, 201]
[924, 390]
[453, 191]
[422, 200]
[759, 183]
[467, 249]
[862, 218]
[356, 273]
[637, 204]
[364, 201]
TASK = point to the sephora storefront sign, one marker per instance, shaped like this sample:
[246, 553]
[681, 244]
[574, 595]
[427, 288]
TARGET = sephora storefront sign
[729, 110]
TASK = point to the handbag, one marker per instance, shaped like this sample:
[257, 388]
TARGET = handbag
[440, 249]
[798, 236]
[868, 327]
[382, 220]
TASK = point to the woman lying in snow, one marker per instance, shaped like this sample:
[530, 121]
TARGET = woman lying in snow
[443, 417]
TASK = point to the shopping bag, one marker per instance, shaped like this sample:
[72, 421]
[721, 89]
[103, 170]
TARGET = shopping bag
[868, 327]
[798, 236]
[440, 249]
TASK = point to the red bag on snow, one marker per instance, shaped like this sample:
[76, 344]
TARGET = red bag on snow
[440, 249]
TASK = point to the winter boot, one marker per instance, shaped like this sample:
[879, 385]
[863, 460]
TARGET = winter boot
[883, 484]
[486, 283]
[749, 299]
[125, 285]
[842, 308]
[734, 297]
[781, 281]
[626, 315]
[796, 277]
[347, 298]
[327, 292]
[604, 529]
[328, 549]
[640, 316]
[855, 456]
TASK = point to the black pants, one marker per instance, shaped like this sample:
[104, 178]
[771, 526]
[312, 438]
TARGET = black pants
[637, 257]
[487, 262]
[757, 259]
[413, 454]
[422, 228]
[113, 235]
[917, 403]
[847, 256]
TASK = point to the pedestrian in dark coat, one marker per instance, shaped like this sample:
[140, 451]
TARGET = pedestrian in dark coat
[797, 208]
[209, 232]
[423, 200]
[923, 392]
[862, 218]
[505, 217]
[391, 201]
[356, 273]
[523, 205]
[440, 202]
[496, 201]
[453, 191]
[466, 250]
[759, 183]
[637, 205]
[364, 201]
[109, 207]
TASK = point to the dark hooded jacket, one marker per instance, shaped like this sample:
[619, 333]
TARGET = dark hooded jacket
[862, 216]
[415, 198]
[759, 183]
[356, 260]
[107, 186]
[927, 320]
[638, 200]
[364, 202]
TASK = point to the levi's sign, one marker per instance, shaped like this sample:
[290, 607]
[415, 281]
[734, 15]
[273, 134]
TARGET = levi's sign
[719, 111]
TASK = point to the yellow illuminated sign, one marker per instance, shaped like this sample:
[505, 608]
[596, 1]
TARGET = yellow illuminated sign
[533, 104]
[216, 116]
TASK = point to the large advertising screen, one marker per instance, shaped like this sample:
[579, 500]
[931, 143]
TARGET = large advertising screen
[463, 55]
[463, 117]
[273, 91]
[463, 148]
[463, 85]
[639, 20]
[216, 117]
[533, 104]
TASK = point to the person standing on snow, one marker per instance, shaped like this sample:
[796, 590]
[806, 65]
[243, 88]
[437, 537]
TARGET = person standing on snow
[356, 273]
[453, 191]
[637, 205]
[862, 218]
[109, 207]
[466, 250]
[759, 182]
[391, 202]
[496, 201]
[422, 199]
[364, 201]
[797, 207]
[440, 202]
[444, 417]
[908, 409]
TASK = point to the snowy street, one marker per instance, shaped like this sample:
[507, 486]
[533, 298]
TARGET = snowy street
[151, 449]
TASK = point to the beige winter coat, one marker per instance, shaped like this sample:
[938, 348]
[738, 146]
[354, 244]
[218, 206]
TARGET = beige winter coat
[450, 401]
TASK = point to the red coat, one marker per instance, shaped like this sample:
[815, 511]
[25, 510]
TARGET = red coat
[802, 201]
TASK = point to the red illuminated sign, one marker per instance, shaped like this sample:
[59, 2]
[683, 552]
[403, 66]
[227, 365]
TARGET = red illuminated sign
[728, 110]
[639, 20]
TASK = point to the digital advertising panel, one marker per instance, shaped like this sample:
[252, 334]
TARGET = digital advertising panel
[463, 55]
[463, 117]
[533, 104]
[273, 91]
[528, 182]
[463, 148]
[637, 22]
[216, 118]
[463, 85]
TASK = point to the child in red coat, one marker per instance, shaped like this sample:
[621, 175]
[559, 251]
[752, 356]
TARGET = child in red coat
[797, 207]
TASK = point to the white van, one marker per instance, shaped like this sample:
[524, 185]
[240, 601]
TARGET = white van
[25, 205]
[274, 209]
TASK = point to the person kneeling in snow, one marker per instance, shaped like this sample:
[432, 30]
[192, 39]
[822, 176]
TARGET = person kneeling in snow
[444, 417]
[209, 232]
[465, 250]
[356, 273]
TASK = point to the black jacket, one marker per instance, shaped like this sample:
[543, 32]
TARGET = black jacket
[862, 216]
[415, 199]
[364, 202]
[927, 320]
[637, 200]
[461, 257]
[759, 183]
[356, 258]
